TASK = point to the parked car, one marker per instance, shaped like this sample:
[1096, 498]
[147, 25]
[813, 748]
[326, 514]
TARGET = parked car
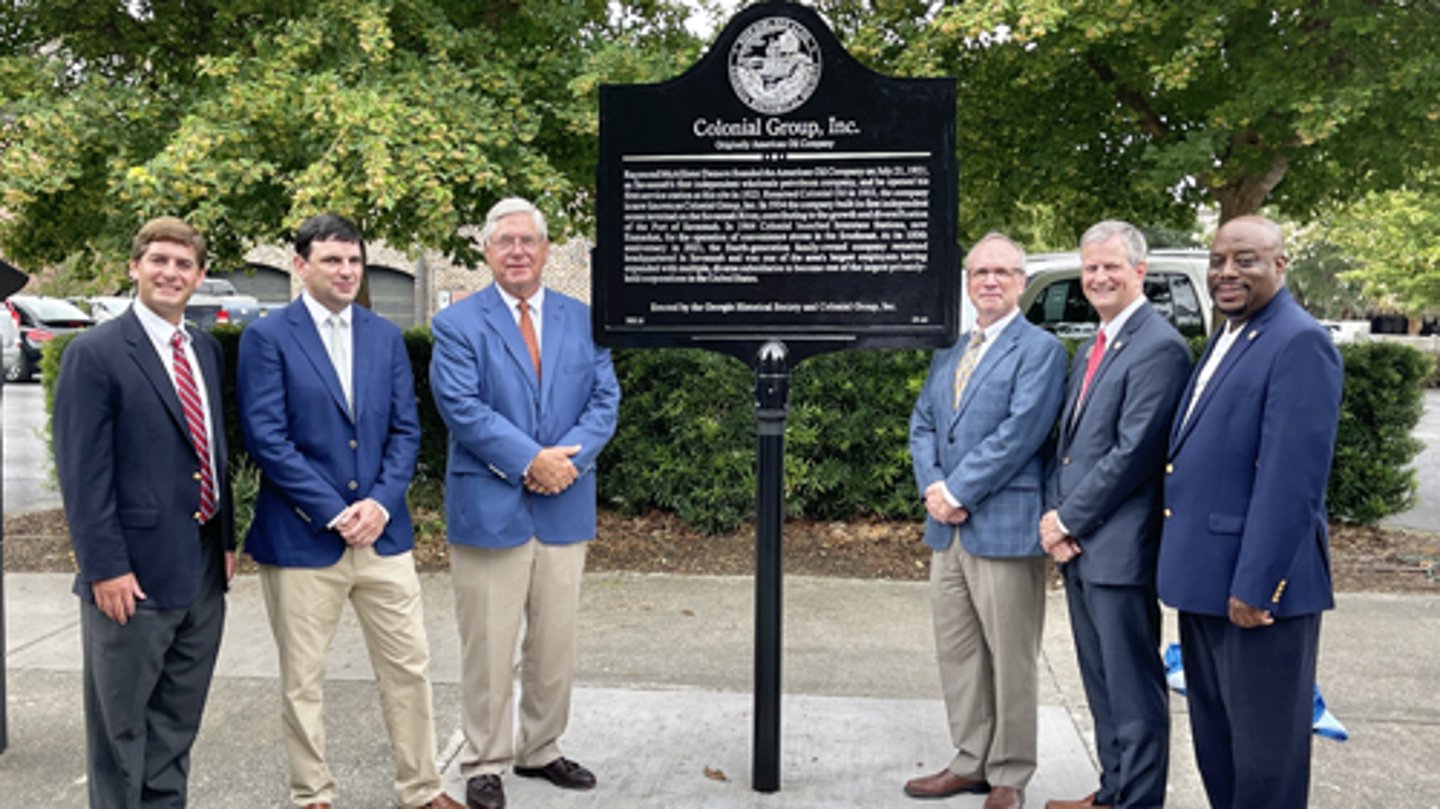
[40, 319]
[105, 307]
[1174, 283]
[9, 344]
[217, 302]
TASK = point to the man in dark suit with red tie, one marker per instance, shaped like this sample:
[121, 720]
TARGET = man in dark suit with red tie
[1102, 522]
[140, 451]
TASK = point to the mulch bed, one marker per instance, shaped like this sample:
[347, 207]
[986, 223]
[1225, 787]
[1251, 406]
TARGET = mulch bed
[1363, 558]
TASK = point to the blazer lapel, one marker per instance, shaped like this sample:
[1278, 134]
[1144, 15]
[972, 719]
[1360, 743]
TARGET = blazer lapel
[213, 374]
[1252, 331]
[1112, 356]
[142, 351]
[1004, 344]
[307, 336]
[498, 315]
[554, 323]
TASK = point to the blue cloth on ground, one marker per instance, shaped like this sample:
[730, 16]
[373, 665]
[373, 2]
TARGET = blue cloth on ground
[1325, 723]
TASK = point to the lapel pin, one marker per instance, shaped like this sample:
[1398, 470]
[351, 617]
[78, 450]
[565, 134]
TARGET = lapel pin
[1252, 335]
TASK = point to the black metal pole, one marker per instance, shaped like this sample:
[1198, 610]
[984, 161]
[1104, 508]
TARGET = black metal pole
[772, 390]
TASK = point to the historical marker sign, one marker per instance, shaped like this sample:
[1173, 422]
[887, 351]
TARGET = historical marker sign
[778, 190]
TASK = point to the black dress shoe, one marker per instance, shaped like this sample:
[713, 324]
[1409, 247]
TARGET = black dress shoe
[484, 792]
[562, 772]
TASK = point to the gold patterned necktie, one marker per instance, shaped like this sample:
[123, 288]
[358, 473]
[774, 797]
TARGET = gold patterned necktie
[966, 366]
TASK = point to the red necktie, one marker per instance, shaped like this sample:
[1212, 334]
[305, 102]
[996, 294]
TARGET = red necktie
[195, 422]
[1097, 353]
[527, 331]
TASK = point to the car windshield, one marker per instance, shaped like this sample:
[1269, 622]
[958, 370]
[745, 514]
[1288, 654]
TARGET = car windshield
[50, 309]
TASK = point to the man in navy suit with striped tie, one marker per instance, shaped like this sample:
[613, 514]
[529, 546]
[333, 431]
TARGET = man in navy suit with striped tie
[140, 452]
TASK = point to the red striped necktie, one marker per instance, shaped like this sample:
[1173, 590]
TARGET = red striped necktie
[195, 421]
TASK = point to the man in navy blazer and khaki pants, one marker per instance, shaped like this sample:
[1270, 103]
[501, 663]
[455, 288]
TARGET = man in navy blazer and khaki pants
[140, 452]
[1103, 519]
[1245, 552]
[336, 438]
[530, 401]
[976, 440]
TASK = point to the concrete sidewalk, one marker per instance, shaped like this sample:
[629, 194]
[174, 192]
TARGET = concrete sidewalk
[662, 708]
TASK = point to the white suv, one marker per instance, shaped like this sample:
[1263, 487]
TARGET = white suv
[1174, 283]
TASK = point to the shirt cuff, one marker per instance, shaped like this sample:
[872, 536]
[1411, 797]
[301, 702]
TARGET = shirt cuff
[949, 498]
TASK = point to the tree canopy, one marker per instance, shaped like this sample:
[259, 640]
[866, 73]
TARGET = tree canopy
[1393, 241]
[412, 116]
[1148, 109]
[246, 116]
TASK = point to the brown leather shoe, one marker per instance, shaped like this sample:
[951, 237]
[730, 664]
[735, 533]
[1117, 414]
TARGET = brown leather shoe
[562, 772]
[441, 801]
[1005, 798]
[317, 805]
[943, 784]
[484, 792]
[1087, 802]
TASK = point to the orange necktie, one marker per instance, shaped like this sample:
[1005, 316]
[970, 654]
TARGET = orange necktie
[527, 331]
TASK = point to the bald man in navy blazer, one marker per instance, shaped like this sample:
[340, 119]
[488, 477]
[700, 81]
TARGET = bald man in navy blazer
[1245, 551]
[154, 549]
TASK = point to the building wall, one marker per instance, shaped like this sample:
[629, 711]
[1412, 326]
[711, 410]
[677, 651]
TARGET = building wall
[429, 279]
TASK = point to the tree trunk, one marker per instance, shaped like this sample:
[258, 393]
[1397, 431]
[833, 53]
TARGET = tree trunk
[1244, 195]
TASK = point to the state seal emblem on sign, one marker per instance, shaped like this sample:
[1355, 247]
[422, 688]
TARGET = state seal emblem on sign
[775, 65]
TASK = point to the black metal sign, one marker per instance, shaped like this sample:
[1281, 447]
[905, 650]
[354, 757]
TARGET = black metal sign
[778, 190]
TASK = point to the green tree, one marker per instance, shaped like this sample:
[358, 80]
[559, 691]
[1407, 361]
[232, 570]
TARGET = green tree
[1147, 109]
[246, 116]
[1391, 239]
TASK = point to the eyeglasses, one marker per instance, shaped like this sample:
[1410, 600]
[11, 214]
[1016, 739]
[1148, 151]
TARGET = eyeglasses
[1243, 261]
[993, 273]
[507, 243]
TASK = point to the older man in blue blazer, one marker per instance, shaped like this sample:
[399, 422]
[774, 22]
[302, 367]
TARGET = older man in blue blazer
[1245, 552]
[530, 401]
[327, 404]
[140, 452]
[977, 438]
[1103, 517]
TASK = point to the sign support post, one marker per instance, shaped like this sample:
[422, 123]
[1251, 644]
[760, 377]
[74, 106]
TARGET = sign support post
[772, 392]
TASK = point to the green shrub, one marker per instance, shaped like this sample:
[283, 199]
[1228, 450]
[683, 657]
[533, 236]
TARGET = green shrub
[685, 441]
[1371, 477]
[686, 437]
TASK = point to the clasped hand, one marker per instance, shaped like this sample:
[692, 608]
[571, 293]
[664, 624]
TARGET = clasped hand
[939, 507]
[1053, 540]
[551, 470]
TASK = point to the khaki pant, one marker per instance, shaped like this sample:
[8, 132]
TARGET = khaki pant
[496, 591]
[989, 614]
[304, 607]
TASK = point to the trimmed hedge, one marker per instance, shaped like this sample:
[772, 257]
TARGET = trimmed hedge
[686, 437]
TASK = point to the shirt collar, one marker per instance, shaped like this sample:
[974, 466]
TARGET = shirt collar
[1118, 322]
[534, 301]
[157, 328]
[321, 315]
[994, 329]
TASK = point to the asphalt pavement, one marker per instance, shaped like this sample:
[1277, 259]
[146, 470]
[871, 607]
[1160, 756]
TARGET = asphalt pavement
[663, 711]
